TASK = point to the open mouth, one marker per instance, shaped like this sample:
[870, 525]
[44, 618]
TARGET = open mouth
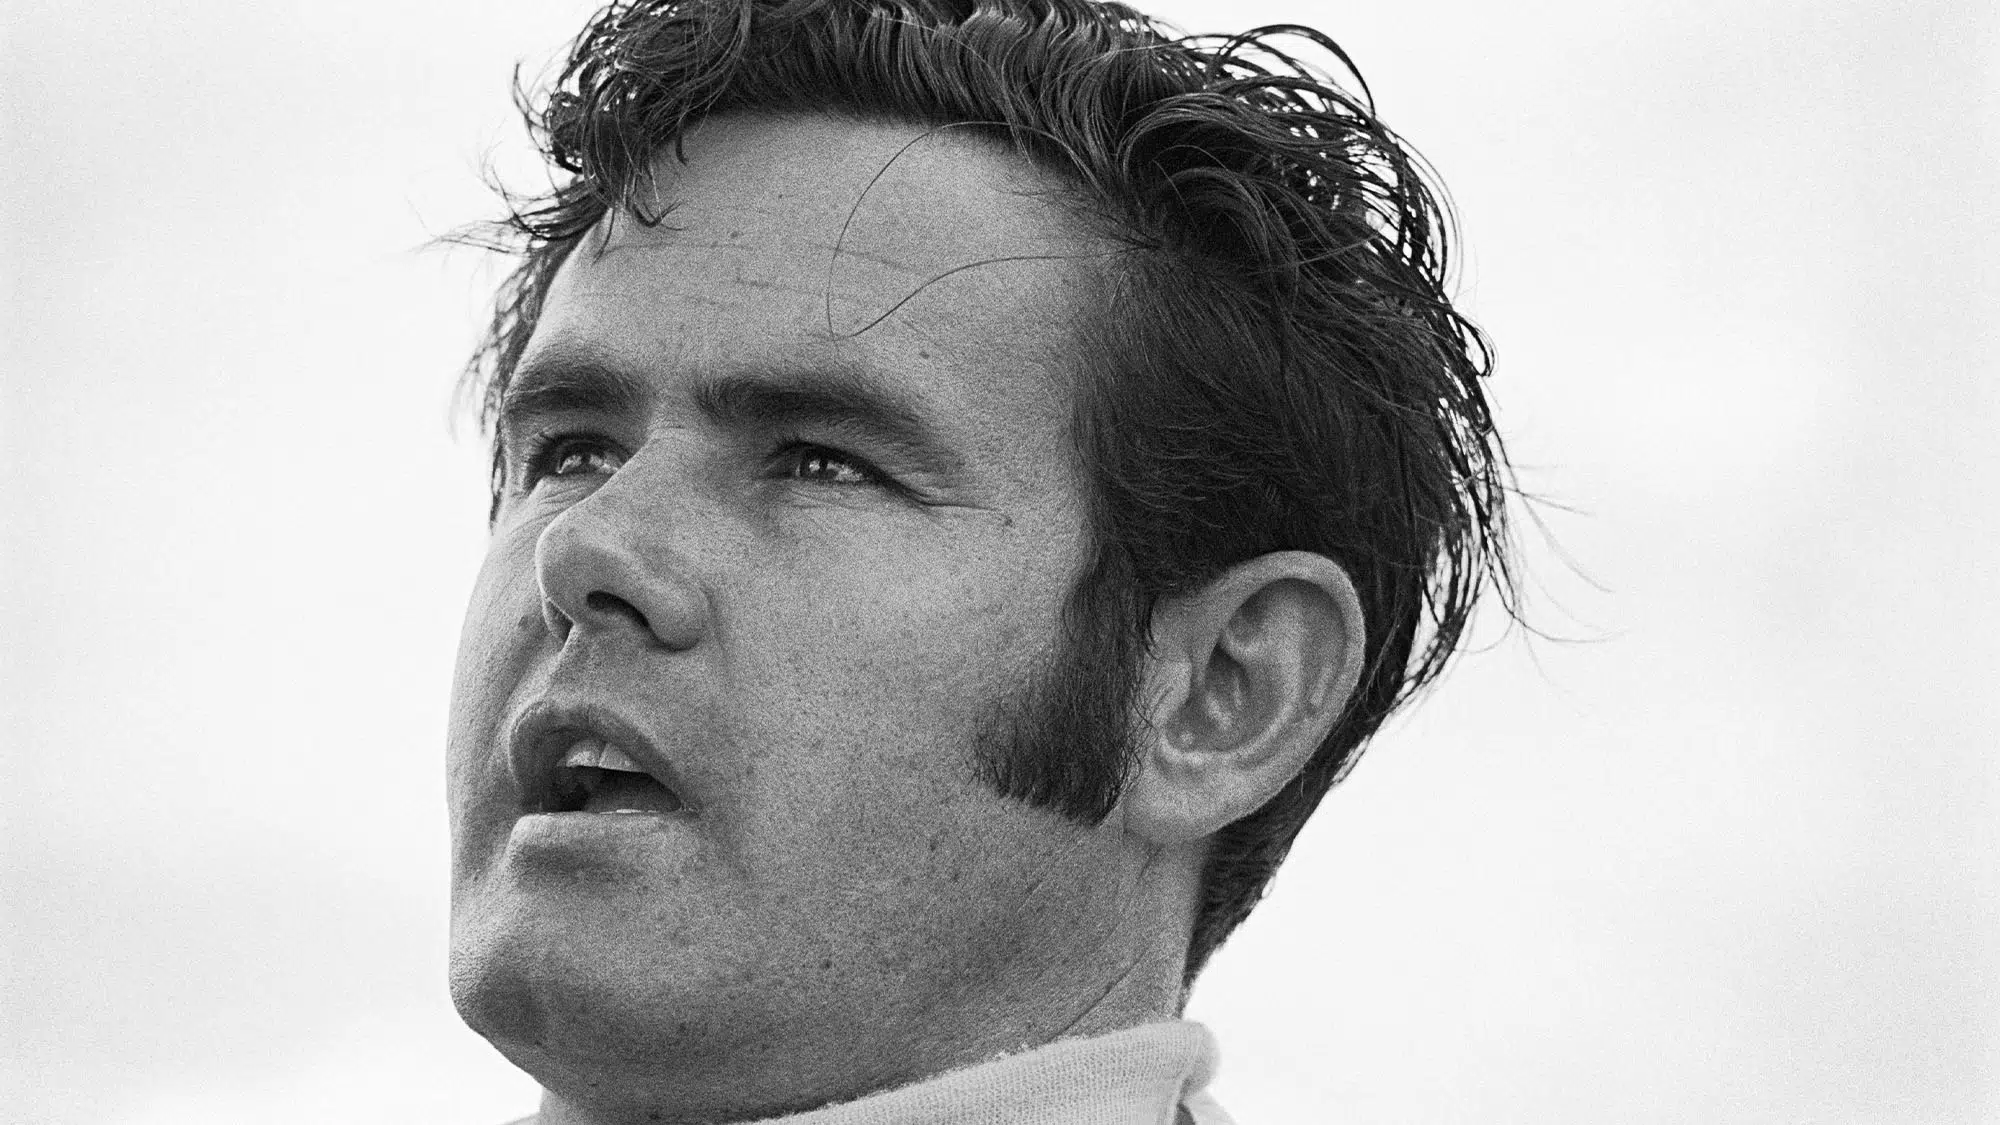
[595, 776]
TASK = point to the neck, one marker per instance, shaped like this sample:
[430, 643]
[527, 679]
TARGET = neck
[1143, 990]
[1123, 972]
[1114, 1079]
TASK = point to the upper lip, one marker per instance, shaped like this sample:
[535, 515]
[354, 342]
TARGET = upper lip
[546, 729]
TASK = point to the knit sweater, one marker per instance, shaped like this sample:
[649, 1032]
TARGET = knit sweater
[1154, 1074]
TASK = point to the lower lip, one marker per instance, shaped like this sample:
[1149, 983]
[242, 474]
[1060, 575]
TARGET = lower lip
[581, 829]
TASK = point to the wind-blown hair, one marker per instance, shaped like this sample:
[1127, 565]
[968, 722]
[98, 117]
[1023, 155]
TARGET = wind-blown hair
[1274, 363]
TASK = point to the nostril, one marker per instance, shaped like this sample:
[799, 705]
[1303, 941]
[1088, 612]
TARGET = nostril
[611, 605]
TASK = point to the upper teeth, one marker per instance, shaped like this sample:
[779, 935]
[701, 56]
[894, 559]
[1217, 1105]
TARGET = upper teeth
[598, 754]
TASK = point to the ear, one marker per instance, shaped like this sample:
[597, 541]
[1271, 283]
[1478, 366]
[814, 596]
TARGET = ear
[1244, 679]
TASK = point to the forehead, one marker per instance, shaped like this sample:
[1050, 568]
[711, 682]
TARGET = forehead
[936, 259]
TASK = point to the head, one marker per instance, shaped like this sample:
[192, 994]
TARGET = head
[997, 465]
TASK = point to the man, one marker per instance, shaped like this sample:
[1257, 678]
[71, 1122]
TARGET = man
[968, 477]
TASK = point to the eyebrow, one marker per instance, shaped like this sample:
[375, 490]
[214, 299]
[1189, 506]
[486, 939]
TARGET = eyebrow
[830, 392]
[838, 396]
[568, 384]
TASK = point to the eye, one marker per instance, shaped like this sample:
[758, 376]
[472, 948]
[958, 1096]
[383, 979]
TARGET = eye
[568, 455]
[819, 464]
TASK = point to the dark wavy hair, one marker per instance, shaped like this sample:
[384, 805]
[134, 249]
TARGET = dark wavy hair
[1274, 363]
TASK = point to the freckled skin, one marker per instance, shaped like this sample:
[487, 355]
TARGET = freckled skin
[847, 907]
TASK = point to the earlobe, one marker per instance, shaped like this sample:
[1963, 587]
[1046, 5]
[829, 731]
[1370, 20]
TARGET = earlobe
[1245, 678]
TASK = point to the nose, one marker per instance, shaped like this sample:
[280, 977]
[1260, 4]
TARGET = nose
[600, 570]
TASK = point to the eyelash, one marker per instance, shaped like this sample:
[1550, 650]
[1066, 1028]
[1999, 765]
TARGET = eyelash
[543, 452]
[795, 453]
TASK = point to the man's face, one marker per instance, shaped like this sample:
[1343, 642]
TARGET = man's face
[795, 575]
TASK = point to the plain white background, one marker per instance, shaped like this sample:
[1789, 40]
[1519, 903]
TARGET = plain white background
[1730, 855]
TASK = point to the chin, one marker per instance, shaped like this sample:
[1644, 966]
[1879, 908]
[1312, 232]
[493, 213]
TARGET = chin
[569, 989]
[552, 974]
[562, 1011]
[603, 1015]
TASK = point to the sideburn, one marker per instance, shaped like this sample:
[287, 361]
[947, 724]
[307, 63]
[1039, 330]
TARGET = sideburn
[1066, 740]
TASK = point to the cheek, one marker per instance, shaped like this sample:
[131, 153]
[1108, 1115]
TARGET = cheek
[900, 647]
[496, 642]
[861, 742]
[501, 617]
[963, 596]
[922, 652]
